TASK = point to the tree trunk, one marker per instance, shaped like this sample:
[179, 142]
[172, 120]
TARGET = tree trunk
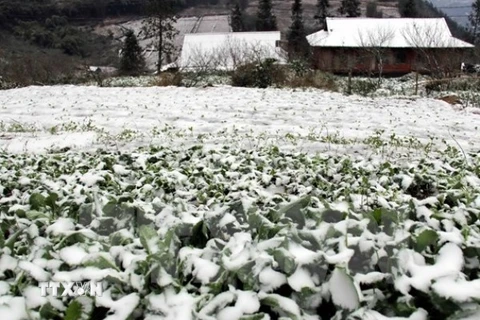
[349, 86]
[160, 46]
[416, 82]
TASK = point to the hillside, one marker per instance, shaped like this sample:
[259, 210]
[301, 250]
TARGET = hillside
[282, 9]
[90, 32]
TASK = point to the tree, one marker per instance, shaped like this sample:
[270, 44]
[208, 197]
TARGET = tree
[375, 44]
[161, 25]
[350, 7]
[236, 19]
[243, 4]
[322, 12]
[266, 20]
[474, 20]
[372, 10]
[438, 63]
[408, 9]
[296, 36]
[132, 61]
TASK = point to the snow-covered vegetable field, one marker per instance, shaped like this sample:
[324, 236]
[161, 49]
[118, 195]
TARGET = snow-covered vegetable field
[228, 226]
[36, 119]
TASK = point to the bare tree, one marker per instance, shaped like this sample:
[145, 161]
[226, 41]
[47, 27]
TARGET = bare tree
[435, 49]
[375, 43]
[231, 54]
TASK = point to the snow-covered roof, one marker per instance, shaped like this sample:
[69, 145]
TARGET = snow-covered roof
[390, 33]
[225, 51]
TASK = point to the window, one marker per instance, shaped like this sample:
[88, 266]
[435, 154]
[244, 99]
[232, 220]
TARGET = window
[400, 56]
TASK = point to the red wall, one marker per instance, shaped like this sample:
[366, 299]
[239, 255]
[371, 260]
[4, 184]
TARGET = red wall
[361, 60]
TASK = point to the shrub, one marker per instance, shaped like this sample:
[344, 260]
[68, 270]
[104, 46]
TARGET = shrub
[452, 85]
[38, 69]
[56, 21]
[72, 45]
[257, 75]
[313, 79]
[43, 38]
[300, 67]
[363, 87]
[167, 79]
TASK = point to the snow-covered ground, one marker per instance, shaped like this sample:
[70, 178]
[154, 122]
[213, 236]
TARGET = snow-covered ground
[36, 119]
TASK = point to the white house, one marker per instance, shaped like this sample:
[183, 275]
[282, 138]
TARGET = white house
[226, 51]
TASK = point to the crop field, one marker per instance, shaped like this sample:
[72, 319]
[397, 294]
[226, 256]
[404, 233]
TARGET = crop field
[233, 203]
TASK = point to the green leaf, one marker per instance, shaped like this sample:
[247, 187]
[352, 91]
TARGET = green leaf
[285, 261]
[343, 291]
[36, 201]
[147, 233]
[295, 212]
[244, 273]
[106, 227]
[276, 303]
[74, 311]
[71, 239]
[80, 308]
[85, 214]
[36, 215]
[100, 262]
[218, 285]
[111, 209]
[333, 216]
[2, 239]
[200, 235]
[117, 239]
[12, 239]
[51, 201]
[258, 316]
[377, 215]
[465, 314]
[21, 213]
[425, 239]
[48, 312]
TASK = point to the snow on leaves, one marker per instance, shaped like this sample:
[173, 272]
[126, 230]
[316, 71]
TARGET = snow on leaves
[197, 234]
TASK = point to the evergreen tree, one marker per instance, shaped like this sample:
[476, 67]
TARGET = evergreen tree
[350, 7]
[236, 19]
[408, 9]
[132, 61]
[372, 10]
[161, 25]
[322, 12]
[474, 20]
[296, 36]
[266, 20]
